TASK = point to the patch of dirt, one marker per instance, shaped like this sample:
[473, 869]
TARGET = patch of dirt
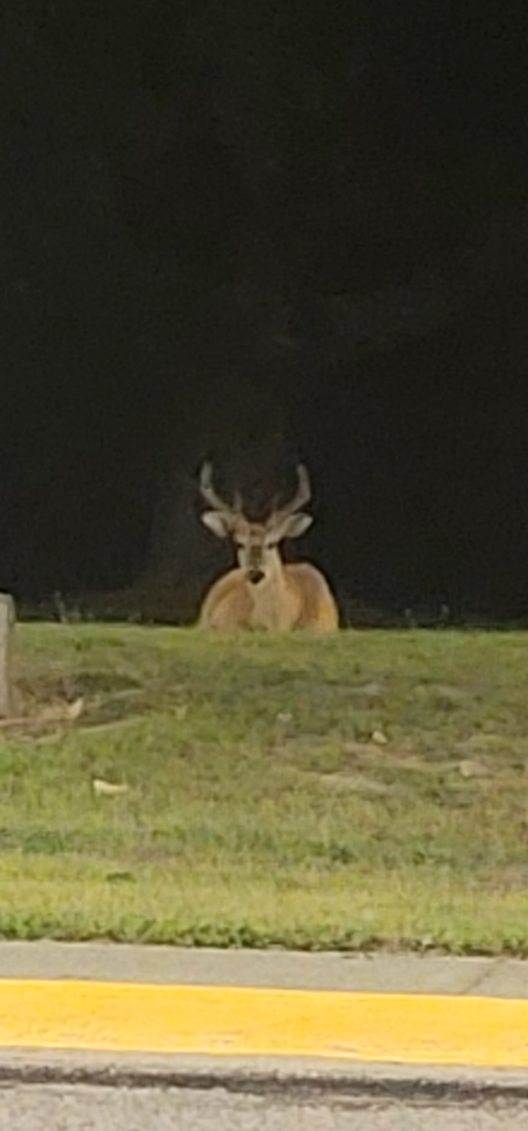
[358, 783]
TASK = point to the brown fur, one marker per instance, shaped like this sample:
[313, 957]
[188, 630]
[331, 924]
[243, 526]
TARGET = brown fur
[303, 601]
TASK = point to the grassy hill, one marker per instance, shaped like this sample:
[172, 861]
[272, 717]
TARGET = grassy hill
[365, 790]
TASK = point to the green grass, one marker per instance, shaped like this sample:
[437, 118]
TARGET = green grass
[259, 811]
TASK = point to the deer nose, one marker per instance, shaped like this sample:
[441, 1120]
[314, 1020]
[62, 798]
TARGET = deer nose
[255, 575]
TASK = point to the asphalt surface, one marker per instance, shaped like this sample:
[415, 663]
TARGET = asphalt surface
[72, 1108]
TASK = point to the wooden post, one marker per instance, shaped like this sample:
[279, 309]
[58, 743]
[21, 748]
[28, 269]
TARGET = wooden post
[7, 624]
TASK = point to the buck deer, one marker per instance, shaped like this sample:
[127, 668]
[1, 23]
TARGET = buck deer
[263, 592]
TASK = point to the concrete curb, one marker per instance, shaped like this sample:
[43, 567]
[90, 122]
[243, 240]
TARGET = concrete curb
[106, 1013]
[273, 1076]
[242, 1021]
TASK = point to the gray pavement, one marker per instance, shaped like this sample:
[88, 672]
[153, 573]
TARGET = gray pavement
[67, 1108]
[379, 972]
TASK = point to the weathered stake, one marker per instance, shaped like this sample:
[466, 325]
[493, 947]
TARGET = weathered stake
[7, 625]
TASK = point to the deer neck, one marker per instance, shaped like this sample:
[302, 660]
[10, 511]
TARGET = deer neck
[271, 598]
[275, 580]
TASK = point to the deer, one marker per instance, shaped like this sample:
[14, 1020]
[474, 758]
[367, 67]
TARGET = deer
[262, 592]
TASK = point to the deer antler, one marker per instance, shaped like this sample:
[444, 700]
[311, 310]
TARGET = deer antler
[302, 495]
[211, 496]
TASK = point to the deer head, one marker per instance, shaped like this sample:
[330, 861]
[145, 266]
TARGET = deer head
[257, 543]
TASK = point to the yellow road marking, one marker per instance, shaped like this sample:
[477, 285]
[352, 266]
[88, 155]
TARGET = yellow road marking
[216, 1020]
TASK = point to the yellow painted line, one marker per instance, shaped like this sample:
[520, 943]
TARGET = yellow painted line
[220, 1020]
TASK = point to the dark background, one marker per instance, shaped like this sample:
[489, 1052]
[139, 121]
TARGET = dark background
[261, 232]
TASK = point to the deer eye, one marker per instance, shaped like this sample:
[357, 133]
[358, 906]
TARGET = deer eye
[272, 545]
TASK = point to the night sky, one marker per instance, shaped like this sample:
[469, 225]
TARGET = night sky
[260, 233]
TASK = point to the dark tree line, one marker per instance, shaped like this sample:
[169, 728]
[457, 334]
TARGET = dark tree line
[257, 232]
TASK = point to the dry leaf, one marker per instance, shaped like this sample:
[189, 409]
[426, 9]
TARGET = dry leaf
[469, 768]
[74, 710]
[107, 788]
[58, 711]
[379, 738]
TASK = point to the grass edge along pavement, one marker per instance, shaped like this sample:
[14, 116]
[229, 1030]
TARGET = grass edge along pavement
[368, 790]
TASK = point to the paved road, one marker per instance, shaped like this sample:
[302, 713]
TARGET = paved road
[83, 1107]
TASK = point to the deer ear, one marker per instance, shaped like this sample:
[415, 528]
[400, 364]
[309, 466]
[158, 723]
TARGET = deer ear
[295, 525]
[218, 522]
